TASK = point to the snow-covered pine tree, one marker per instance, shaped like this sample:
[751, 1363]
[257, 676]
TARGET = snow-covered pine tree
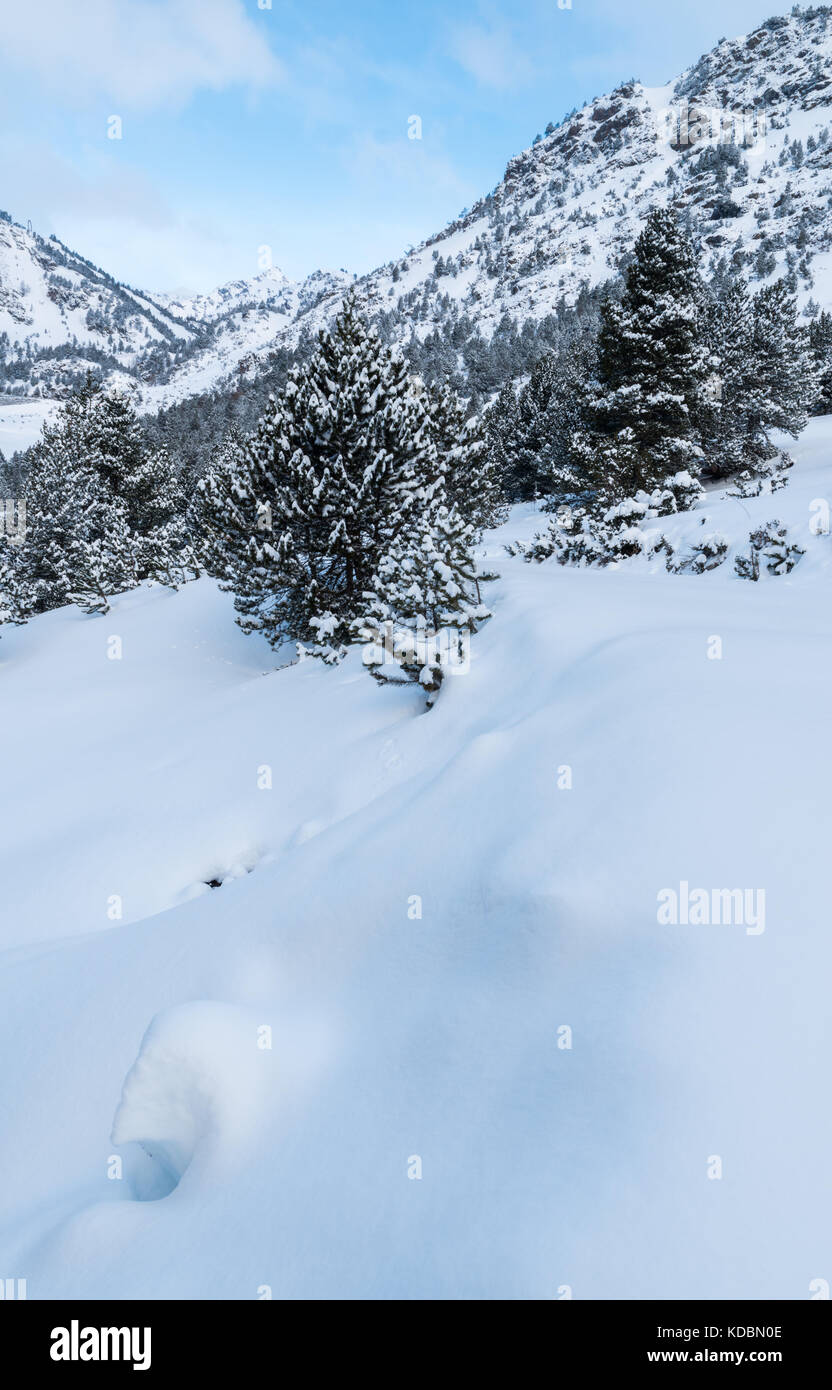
[782, 360]
[104, 562]
[778, 390]
[332, 475]
[103, 513]
[532, 433]
[112, 436]
[144, 480]
[500, 426]
[468, 475]
[221, 522]
[724, 423]
[78, 547]
[575, 368]
[640, 419]
[157, 519]
[820, 345]
[424, 604]
[528, 446]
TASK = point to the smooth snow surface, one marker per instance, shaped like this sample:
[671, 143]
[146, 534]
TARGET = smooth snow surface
[402, 1041]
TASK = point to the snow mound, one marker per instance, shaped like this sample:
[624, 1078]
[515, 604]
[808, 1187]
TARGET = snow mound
[194, 1091]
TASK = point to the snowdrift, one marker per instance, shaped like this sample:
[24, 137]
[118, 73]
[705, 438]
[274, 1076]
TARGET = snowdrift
[492, 1070]
[193, 1093]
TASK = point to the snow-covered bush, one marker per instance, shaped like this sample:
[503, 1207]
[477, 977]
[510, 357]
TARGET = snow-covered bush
[748, 566]
[769, 542]
[576, 539]
[765, 477]
[676, 494]
[704, 554]
[579, 537]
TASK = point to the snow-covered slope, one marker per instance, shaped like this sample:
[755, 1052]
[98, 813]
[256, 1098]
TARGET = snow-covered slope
[417, 907]
[50, 298]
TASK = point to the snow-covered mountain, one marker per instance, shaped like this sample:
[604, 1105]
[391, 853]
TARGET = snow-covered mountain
[60, 315]
[59, 311]
[272, 286]
[741, 143]
[717, 143]
[240, 323]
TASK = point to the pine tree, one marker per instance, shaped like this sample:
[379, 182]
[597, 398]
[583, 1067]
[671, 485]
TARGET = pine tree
[157, 519]
[820, 343]
[766, 378]
[77, 547]
[334, 472]
[423, 604]
[724, 425]
[468, 475]
[112, 437]
[640, 421]
[785, 375]
[528, 446]
[778, 390]
[500, 427]
[218, 518]
[575, 369]
[146, 481]
[102, 512]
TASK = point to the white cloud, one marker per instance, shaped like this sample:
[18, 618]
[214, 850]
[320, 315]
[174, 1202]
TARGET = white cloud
[115, 216]
[143, 54]
[409, 164]
[40, 184]
[491, 55]
[184, 257]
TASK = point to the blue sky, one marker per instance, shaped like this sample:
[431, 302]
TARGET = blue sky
[287, 126]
